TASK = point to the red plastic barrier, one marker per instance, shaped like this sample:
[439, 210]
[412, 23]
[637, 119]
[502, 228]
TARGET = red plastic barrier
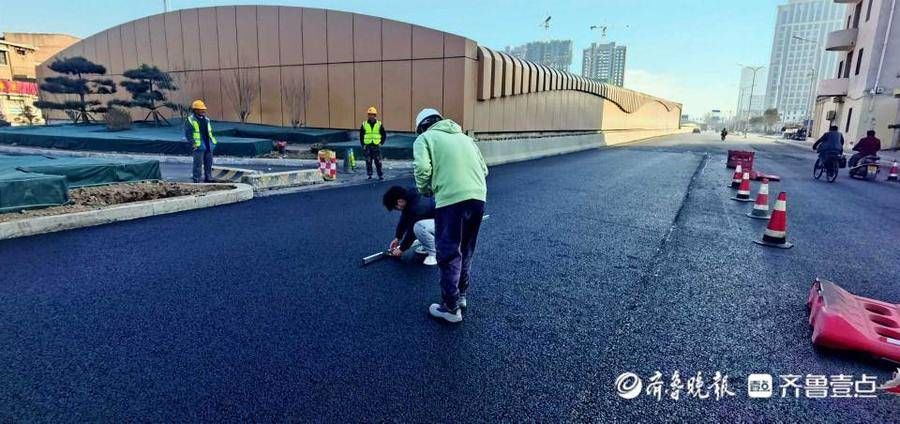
[841, 320]
[745, 159]
[759, 176]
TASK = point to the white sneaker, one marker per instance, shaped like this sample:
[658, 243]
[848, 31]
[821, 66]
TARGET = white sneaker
[462, 303]
[430, 260]
[421, 250]
[438, 310]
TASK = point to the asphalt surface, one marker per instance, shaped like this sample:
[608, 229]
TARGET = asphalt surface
[593, 264]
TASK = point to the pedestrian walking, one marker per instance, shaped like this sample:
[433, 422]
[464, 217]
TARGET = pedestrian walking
[198, 131]
[449, 166]
[372, 136]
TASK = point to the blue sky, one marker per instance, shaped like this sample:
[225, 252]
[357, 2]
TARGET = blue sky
[683, 50]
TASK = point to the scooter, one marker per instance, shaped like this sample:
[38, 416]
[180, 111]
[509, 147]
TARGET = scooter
[866, 169]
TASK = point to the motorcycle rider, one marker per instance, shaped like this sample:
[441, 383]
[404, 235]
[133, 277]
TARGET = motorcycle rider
[830, 143]
[724, 133]
[866, 146]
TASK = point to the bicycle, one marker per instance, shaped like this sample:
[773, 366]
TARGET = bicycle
[829, 167]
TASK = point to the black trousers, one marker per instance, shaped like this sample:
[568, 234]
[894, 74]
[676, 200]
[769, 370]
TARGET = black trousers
[456, 234]
[373, 154]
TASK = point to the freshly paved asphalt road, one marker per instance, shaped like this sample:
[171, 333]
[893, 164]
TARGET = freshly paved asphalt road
[593, 264]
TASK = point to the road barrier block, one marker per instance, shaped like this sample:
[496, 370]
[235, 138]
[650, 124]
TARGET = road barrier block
[740, 157]
[228, 174]
[841, 320]
[283, 179]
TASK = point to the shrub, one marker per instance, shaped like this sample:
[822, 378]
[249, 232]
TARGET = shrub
[118, 119]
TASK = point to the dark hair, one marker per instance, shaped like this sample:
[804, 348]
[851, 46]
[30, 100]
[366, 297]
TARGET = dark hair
[391, 196]
[427, 123]
[832, 128]
[870, 133]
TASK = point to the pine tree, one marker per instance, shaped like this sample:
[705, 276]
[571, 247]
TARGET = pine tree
[76, 79]
[146, 84]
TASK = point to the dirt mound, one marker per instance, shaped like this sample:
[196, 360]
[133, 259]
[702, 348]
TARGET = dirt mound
[88, 198]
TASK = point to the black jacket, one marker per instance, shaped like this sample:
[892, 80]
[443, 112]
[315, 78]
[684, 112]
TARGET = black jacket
[417, 208]
[831, 141]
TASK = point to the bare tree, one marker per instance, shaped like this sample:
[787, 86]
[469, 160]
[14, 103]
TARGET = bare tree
[189, 86]
[243, 87]
[296, 100]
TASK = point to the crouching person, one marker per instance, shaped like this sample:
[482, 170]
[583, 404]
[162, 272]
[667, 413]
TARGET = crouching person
[416, 222]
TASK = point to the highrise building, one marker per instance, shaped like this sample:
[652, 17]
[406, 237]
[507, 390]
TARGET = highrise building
[798, 59]
[756, 103]
[556, 54]
[604, 62]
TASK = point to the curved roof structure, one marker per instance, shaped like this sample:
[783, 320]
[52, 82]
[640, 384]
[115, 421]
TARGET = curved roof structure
[323, 68]
[505, 75]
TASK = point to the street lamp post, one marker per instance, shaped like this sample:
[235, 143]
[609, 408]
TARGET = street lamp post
[812, 83]
[755, 69]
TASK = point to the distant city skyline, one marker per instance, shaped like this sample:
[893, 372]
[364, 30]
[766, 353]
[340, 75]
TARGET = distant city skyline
[556, 54]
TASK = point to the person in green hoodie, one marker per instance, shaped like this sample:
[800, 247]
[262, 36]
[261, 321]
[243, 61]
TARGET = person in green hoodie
[449, 166]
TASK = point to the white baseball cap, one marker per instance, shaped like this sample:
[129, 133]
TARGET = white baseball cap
[424, 114]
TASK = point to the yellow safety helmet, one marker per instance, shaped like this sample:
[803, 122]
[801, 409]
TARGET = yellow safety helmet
[372, 110]
[198, 105]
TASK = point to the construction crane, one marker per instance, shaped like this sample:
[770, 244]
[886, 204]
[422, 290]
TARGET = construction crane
[604, 28]
[546, 23]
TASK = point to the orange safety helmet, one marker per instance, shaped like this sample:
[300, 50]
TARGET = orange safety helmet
[372, 110]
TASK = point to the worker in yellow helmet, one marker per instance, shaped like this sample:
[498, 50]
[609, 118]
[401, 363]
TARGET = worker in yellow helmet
[198, 131]
[372, 136]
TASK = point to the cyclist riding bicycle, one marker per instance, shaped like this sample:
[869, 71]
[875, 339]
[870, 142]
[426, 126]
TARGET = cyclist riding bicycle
[829, 144]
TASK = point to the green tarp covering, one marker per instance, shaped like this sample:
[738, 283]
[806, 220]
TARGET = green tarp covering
[397, 147]
[291, 135]
[22, 190]
[159, 140]
[37, 181]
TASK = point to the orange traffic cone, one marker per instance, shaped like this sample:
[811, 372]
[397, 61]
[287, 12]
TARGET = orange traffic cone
[776, 232]
[761, 207]
[736, 178]
[743, 194]
[892, 176]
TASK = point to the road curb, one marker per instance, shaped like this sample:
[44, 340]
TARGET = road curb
[219, 160]
[125, 212]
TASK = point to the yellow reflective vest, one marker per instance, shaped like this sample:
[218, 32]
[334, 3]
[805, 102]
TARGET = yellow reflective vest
[372, 133]
[198, 139]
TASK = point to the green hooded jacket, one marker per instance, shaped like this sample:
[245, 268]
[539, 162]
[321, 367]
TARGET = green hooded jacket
[449, 164]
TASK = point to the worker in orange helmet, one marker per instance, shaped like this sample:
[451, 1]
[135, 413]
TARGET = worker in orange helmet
[371, 137]
[198, 131]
